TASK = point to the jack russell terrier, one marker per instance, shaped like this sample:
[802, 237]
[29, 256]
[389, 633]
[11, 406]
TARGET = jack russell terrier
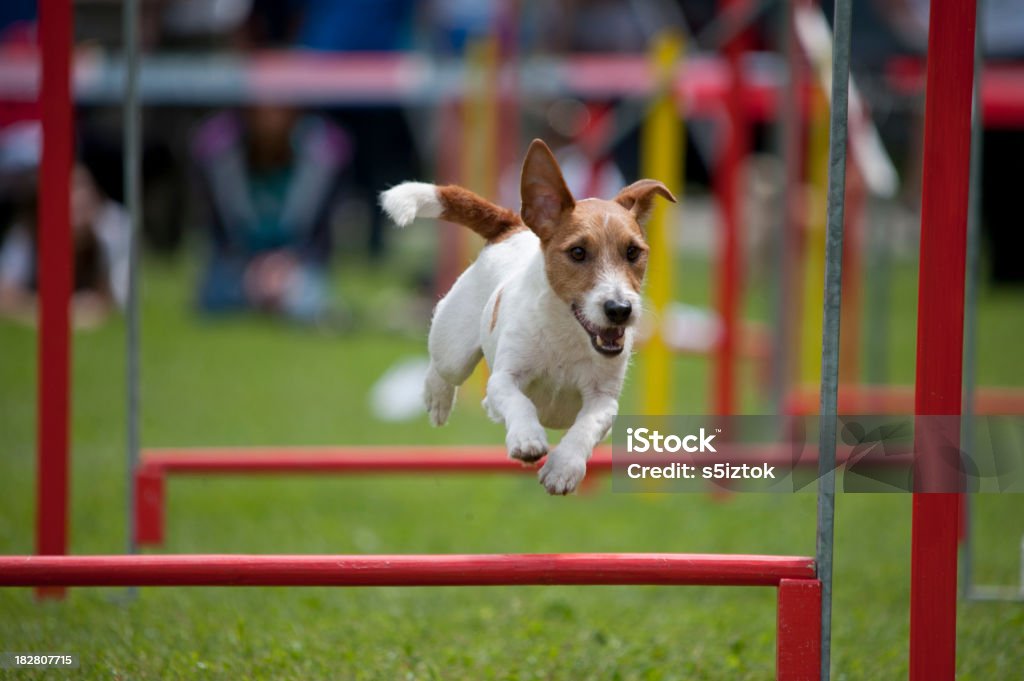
[551, 302]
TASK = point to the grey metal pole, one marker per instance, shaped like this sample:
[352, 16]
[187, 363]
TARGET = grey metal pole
[971, 296]
[831, 314]
[133, 202]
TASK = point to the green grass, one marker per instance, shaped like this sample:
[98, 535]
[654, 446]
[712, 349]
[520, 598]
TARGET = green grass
[248, 381]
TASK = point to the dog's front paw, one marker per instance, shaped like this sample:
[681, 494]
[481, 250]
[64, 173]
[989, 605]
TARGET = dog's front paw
[562, 474]
[527, 444]
[438, 398]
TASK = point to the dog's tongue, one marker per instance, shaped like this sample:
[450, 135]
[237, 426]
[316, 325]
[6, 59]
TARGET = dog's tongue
[611, 338]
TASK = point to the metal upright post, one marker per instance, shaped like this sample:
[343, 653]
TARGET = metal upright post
[831, 313]
[971, 301]
[133, 201]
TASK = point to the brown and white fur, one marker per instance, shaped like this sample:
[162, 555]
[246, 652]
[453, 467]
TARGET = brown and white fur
[551, 302]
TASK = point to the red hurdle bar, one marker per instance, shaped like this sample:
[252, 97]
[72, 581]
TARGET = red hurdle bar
[404, 570]
[899, 399]
[413, 459]
[157, 464]
[797, 652]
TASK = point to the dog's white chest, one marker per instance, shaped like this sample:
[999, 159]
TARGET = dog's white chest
[557, 403]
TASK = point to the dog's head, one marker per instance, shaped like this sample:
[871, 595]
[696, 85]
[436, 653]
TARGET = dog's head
[594, 250]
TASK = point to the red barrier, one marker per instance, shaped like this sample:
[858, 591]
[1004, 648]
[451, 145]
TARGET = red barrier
[368, 459]
[940, 325]
[55, 267]
[729, 187]
[899, 399]
[410, 459]
[157, 464]
[798, 630]
[405, 570]
[1002, 89]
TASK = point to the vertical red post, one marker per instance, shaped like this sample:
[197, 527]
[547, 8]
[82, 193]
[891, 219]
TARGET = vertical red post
[793, 107]
[946, 164]
[55, 281]
[798, 630]
[853, 277]
[150, 501]
[729, 179]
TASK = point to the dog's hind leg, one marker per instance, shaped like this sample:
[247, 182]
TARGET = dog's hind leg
[454, 347]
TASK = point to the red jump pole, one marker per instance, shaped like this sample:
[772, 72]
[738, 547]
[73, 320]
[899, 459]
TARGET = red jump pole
[853, 276]
[54, 268]
[946, 163]
[729, 179]
[406, 570]
[798, 630]
[158, 465]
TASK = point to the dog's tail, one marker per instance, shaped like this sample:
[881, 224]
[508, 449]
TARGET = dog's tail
[410, 200]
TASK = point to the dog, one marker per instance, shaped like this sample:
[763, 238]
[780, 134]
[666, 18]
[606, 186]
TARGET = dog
[552, 303]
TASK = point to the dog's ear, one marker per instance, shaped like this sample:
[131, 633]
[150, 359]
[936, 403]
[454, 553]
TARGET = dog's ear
[546, 198]
[639, 197]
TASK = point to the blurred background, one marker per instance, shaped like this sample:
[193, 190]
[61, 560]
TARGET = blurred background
[279, 307]
[271, 125]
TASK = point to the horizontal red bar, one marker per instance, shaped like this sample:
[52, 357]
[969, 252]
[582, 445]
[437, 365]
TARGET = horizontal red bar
[399, 459]
[351, 459]
[396, 78]
[404, 570]
[1002, 89]
[899, 400]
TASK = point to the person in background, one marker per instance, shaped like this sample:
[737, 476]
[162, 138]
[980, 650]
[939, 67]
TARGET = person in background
[102, 236]
[386, 151]
[269, 175]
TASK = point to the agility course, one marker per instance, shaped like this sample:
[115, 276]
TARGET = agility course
[803, 584]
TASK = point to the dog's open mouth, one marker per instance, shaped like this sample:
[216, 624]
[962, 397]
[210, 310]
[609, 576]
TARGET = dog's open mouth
[608, 340]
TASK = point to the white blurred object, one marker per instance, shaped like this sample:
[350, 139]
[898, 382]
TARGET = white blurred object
[578, 168]
[113, 230]
[398, 394]
[691, 328]
[205, 17]
[869, 154]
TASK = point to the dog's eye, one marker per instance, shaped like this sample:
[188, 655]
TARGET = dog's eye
[578, 253]
[632, 253]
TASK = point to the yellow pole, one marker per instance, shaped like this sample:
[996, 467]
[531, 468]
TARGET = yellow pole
[814, 243]
[662, 153]
[479, 148]
[479, 162]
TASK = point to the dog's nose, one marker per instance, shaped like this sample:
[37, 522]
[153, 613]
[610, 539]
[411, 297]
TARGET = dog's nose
[617, 311]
